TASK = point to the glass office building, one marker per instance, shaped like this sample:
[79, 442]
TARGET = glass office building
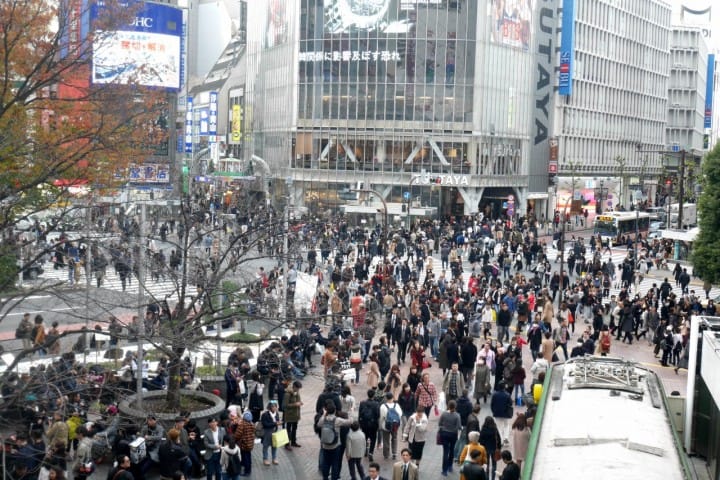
[422, 100]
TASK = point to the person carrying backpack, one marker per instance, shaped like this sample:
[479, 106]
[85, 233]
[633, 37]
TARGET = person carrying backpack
[230, 461]
[390, 414]
[329, 424]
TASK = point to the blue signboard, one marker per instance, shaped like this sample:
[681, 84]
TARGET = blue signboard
[189, 125]
[709, 85]
[567, 50]
[204, 114]
[213, 115]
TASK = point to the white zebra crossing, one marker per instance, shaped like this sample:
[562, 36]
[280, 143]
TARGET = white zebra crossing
[166, 288]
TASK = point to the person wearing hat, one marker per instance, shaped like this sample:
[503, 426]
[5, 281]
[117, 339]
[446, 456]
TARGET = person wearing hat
[245, 438]
[270, 419]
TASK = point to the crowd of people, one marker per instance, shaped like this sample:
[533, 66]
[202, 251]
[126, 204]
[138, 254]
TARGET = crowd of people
[386, 319]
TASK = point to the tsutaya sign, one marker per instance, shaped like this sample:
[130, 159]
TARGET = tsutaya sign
[449, 180]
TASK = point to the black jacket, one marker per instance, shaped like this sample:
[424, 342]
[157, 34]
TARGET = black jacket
[171, 456]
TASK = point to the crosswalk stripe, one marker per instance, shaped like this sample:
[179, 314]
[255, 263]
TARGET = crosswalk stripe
[164, 288]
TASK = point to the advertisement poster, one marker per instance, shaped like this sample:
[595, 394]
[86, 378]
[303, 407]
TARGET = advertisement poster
[512, 23]
[146, 52]
[236, 123]
[276, 27]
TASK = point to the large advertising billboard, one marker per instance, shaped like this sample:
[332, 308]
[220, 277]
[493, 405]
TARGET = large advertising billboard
[512, 23]
[146, 51]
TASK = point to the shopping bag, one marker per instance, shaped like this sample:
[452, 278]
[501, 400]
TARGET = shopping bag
[280, 438]
[442, 405]
[348, 374]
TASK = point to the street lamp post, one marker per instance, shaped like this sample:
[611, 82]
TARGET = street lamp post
[385, 212]
[409, 200]
[286, 248]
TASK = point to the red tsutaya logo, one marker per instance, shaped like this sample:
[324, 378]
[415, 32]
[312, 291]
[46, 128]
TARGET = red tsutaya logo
[564, 67]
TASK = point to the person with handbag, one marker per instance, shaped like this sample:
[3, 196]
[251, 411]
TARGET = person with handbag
[426, 394]
[415, 433]
[212, 441]
[466, 454]
[270, 420]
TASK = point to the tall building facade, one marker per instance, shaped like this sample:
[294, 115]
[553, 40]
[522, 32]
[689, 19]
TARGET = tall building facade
[615, 103]
[687, 88]
[427, 102]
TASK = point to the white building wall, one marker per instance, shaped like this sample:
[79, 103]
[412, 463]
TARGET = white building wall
[619, 100]
[686, 92]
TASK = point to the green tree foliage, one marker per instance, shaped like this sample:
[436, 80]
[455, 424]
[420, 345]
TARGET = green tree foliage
[706, 249]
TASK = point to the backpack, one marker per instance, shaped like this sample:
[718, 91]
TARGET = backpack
[328, 434]
[605, 342]
[475, 328]
[234, 465]
[392, 419]
[366, 416]
[21, 332]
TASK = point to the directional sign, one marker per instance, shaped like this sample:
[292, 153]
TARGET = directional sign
[406, 195]
[511, 198]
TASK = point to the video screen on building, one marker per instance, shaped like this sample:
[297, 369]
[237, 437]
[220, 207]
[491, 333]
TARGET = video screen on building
[145, 52]
[511, 23]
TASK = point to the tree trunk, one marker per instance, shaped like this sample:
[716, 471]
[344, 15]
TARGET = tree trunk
[174, 379]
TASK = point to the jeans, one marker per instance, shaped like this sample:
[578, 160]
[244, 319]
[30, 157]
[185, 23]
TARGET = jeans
[448, 446]
[434, 346]
[519, 388]
[492, 464]
[266, 447]
[331, 462]
[356, 463]
[212, 466]
[502, 333]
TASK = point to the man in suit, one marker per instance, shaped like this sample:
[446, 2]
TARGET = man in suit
[374, 472]
[404, 332]
[213, 440]
[405, 469]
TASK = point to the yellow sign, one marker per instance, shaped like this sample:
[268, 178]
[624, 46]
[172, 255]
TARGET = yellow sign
[604, 218]
[236, 123]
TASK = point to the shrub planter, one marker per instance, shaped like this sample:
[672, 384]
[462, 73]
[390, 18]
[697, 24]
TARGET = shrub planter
[209, 406]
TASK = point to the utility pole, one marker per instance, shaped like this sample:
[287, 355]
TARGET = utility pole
[140, 300]
[681, 189]
[637, 226]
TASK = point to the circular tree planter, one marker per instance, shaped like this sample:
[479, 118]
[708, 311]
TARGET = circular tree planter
[209, 406]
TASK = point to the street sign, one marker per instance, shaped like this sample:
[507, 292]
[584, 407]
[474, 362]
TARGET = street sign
[406, 195]
[511, 198]
[675, 148]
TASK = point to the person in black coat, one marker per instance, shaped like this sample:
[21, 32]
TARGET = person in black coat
[511, 470]
[468, 354]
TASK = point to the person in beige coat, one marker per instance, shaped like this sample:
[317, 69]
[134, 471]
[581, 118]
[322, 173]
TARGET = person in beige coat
[415, 433]
[373, 375]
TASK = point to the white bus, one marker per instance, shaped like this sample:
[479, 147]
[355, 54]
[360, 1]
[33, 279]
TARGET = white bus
[601, 418]
[613, 225]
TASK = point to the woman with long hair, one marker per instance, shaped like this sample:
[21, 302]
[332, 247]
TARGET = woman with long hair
[490, 439]
[521, 438]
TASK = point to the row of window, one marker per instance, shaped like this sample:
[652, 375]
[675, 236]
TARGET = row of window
[621, 48]
[645, 21]
[590, 154]
[603, 125]
[591, 67]
[618, 102]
